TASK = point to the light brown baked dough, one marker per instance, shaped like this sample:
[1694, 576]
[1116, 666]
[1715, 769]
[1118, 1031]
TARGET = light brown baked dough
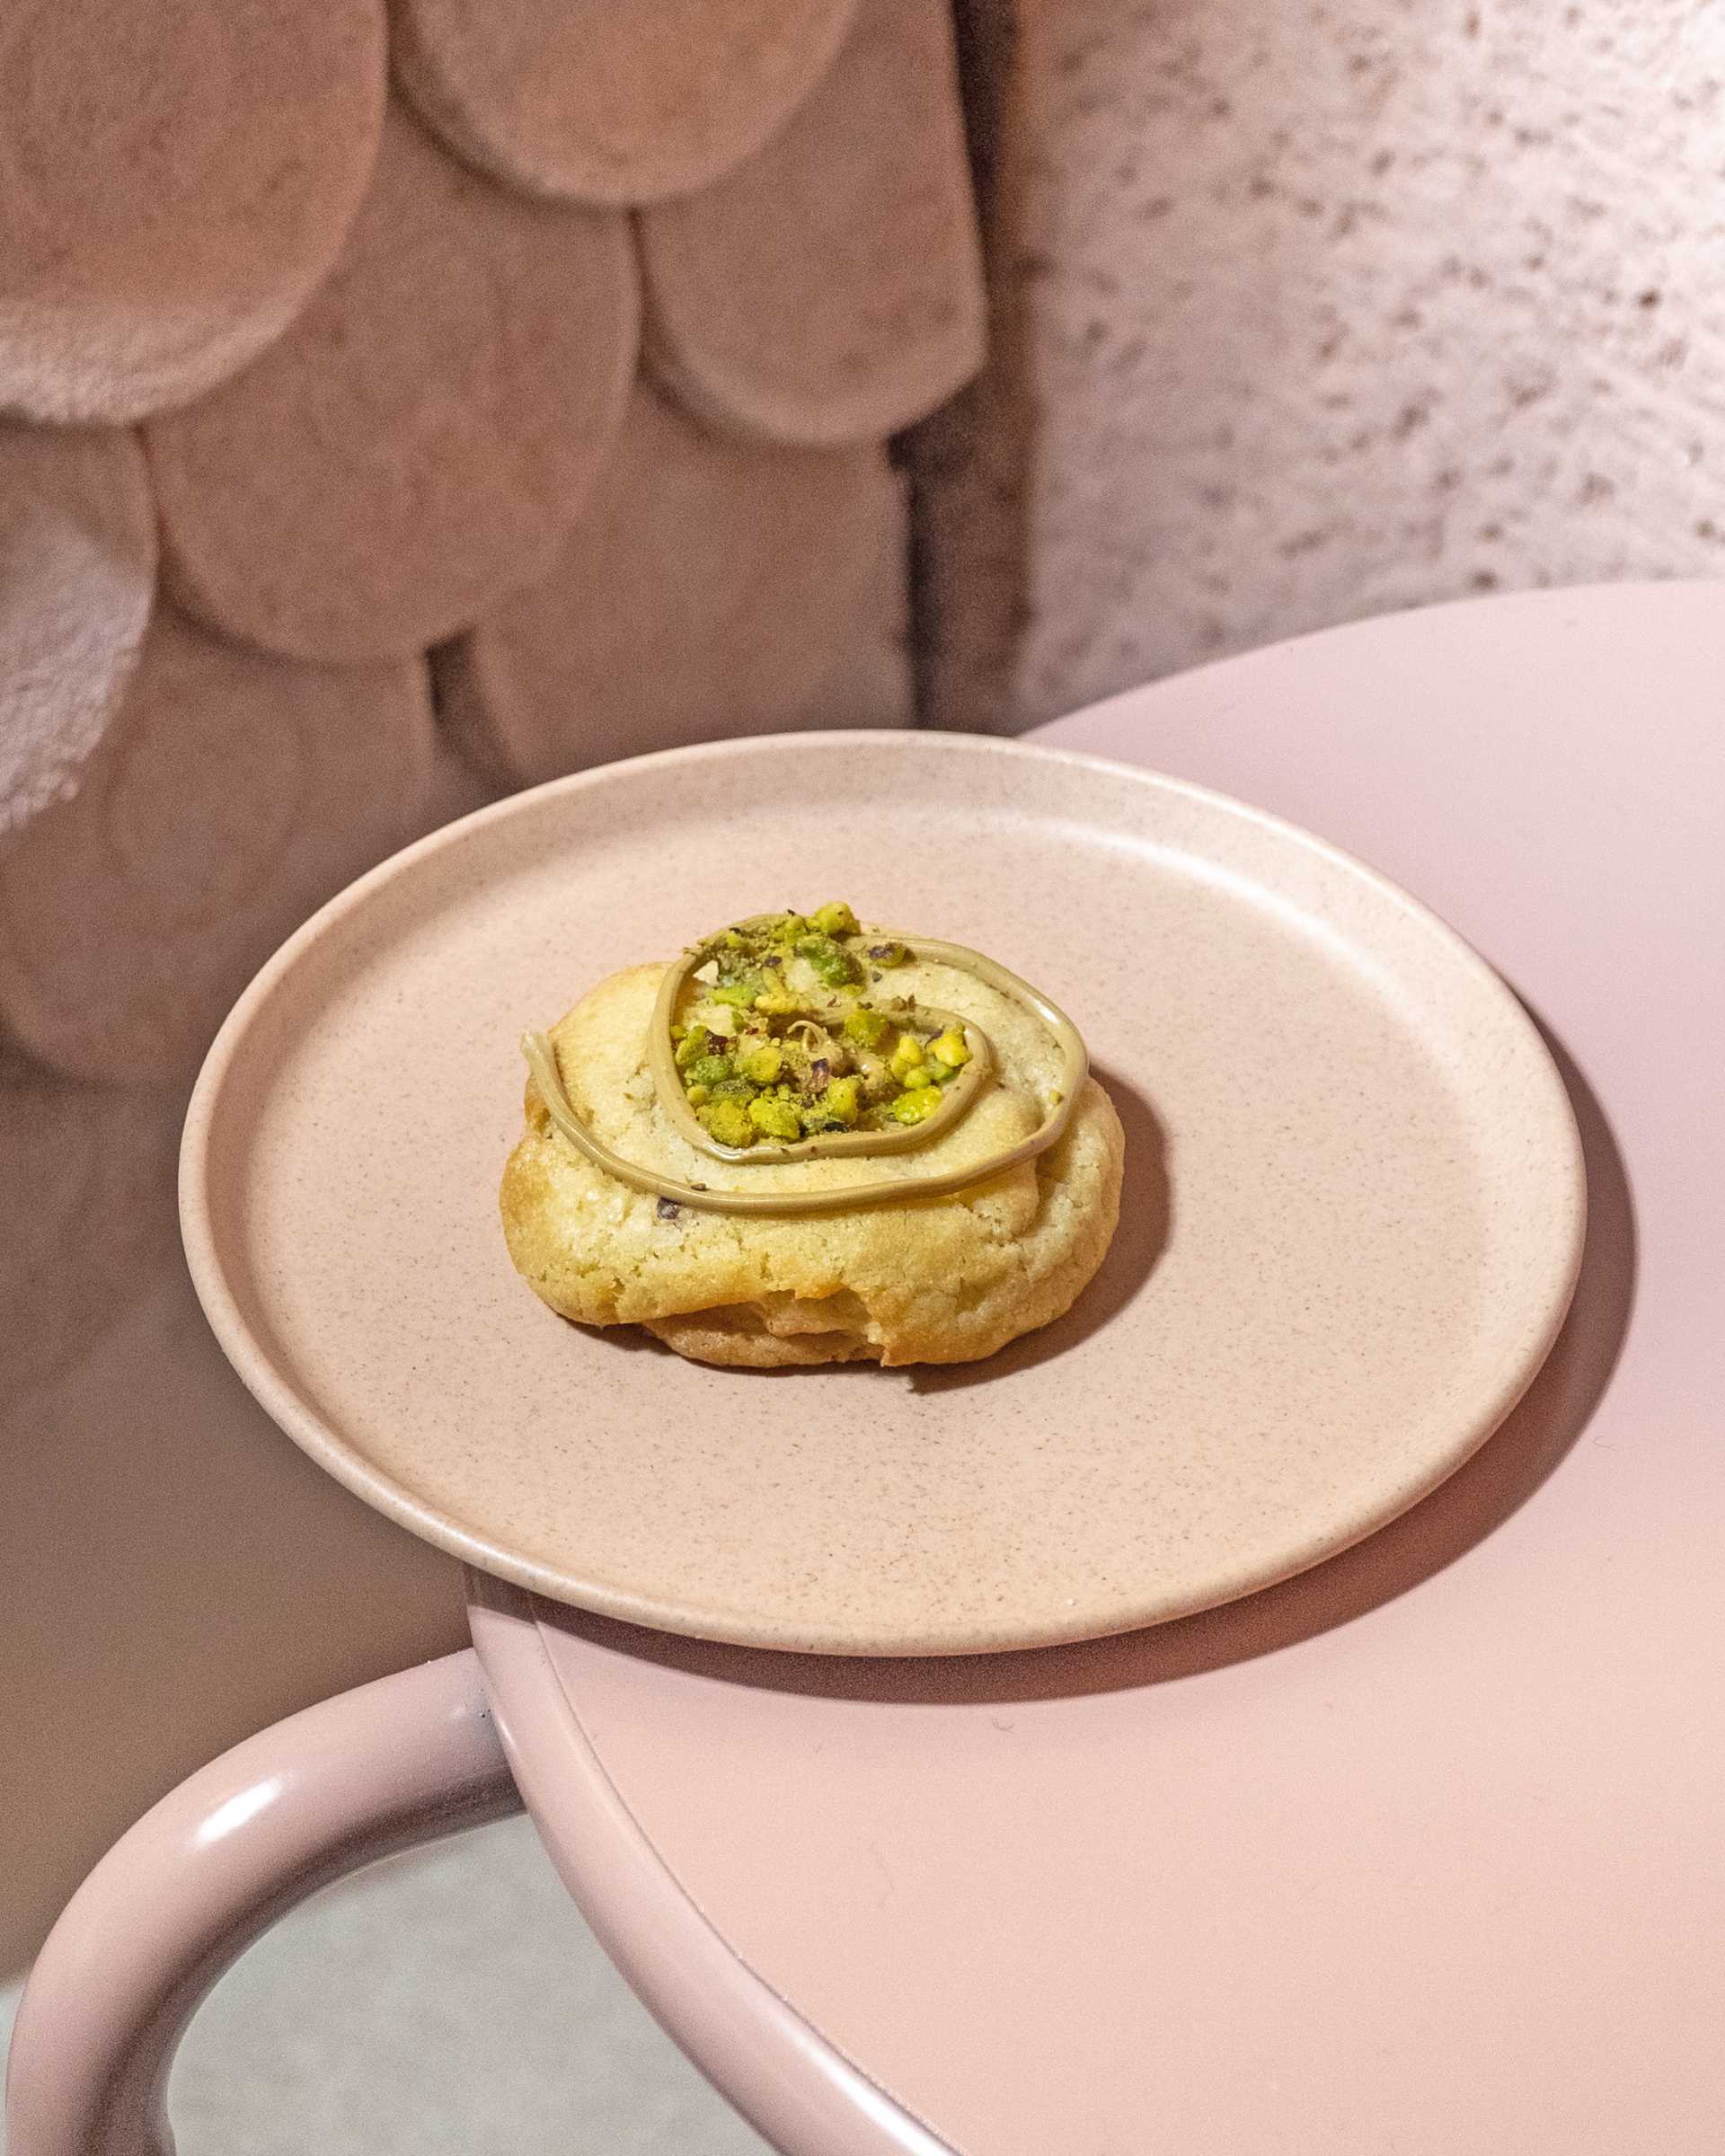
[939, 1280]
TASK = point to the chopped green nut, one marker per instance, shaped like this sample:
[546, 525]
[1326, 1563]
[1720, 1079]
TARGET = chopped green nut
[867, 1027]
[777, 1119]
[764, 1064]
[842, 1100]
[729, 1122]
[781, 1039]
[834, 964]
[906, 1056]
[917, 1107]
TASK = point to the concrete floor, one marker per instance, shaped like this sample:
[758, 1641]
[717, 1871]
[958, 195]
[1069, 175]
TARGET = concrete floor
[449, 2000]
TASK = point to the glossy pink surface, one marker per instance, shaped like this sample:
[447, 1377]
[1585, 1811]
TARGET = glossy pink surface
[1420, 1851]
[775, 2067]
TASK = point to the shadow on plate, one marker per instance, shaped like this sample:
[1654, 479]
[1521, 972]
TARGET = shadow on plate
[1499, 1478]
[1146, 1217]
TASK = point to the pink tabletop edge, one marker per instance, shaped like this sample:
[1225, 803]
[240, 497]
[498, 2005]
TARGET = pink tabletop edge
[1546, 771]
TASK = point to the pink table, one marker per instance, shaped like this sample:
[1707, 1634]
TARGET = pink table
[1421, 1852]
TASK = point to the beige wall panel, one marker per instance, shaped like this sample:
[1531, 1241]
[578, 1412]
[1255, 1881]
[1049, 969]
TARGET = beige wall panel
[612, 102]
[714, 587]
[234, 794]
[830, 289]
[77, 572]
[178, 176]
[421, 438]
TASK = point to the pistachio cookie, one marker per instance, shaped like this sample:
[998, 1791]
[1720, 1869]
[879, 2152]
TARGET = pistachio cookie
[810, 1142]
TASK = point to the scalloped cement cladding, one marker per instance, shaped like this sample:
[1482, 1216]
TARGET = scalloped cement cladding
[234, 794]
[179, 177]
[422, 437]
[77, 572]
[616, 102]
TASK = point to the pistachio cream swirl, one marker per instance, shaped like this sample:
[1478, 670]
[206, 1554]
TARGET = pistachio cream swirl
[767, 1045]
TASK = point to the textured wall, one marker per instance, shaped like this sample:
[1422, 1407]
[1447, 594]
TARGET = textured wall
[1332, 306]
[547, 347]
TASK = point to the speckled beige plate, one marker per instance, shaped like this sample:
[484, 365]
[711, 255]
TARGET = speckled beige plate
[1352, 1219]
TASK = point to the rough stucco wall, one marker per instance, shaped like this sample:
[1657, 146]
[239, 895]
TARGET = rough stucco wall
[1333, 306]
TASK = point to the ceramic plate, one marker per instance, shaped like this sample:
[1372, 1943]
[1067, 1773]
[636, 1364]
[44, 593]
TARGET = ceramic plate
[1351, 1223]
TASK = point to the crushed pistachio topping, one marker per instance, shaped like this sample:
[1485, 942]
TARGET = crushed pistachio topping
[849, 1069]
[779, 1041]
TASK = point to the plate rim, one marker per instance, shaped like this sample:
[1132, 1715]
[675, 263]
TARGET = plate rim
[297, 1418]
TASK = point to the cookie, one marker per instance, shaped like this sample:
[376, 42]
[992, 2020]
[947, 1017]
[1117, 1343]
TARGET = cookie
[943, 1279]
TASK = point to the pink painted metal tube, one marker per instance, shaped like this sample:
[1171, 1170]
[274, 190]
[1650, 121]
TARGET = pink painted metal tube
[793, 2087]
[214, 1864]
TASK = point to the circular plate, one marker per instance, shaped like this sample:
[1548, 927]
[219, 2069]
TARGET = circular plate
[1351, 1222]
